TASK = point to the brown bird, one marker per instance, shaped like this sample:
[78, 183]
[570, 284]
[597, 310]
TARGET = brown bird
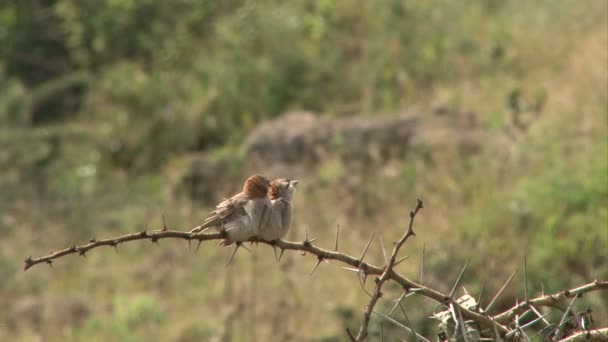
[241, 216]
[278, 222]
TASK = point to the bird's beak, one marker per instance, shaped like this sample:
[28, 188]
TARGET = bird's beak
[295, 182]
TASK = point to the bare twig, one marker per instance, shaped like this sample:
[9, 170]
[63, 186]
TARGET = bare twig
[386, 274]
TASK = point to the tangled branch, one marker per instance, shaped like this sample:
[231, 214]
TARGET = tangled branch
[502, 326]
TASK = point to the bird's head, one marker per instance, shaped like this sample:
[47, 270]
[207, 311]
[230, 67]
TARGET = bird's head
[256, 186]
[282, 187]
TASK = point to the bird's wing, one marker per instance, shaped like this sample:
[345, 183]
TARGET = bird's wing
[225, 211]
[247, 224]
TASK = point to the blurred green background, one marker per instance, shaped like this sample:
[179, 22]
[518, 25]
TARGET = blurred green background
[113, 113]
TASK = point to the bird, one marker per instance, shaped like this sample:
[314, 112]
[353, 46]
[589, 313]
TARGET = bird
[239, 218]
[280, 194]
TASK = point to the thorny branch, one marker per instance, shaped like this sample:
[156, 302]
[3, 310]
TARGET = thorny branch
[498, 323]
[386, 274]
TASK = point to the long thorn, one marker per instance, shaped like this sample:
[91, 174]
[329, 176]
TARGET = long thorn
[526, 278]
[483, 287]
[245, 248]
[337, 237]
[459, 278]
[462, 326]
[496, 333]
[532, 322]
[366, 247]
[383, 250]
[281, 254]
[542, 331]
[561, 322]
[409, 322]
[504, 286]
[274, 249]
[404, 296]
[362, 279]
[236, 248]
[422, 263]
[316, 265]
[164, 224]
[539, 314]
[397, 302]
[397, 323]
[400, 260]
[452, 311]
[197, 246]
[542, 288]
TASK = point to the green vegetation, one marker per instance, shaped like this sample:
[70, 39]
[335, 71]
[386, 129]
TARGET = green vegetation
[103, 104]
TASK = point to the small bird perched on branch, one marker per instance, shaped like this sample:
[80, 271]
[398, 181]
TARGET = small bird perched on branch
[280, 194]
[241, 216]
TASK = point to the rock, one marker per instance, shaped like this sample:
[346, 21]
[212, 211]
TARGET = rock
[291, 138]
[300, 138]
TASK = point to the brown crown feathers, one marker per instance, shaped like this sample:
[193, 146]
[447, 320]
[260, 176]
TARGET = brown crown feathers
[256, 186]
